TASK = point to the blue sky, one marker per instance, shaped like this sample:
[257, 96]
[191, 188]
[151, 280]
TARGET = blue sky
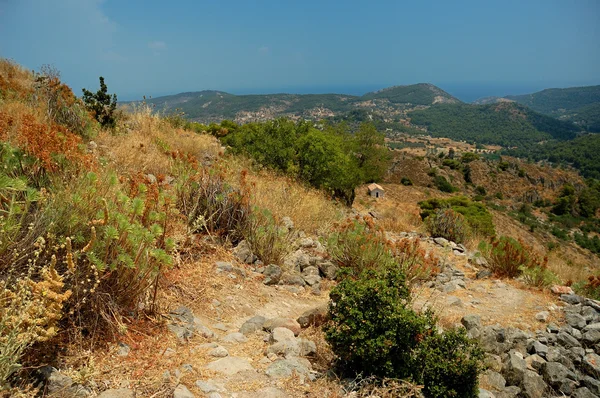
[470, 48]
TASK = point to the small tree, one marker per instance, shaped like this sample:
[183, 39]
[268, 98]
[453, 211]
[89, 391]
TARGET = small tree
[101, 104]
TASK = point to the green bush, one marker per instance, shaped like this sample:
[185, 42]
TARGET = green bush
[406, 181]
[450, 365]
[452, 163]
[374, 331]
[373, 328]
[443, 185]
[101, 104]
[478, 217]
[449, 224]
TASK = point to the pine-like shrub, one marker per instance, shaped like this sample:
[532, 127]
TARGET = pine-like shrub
[449, 224]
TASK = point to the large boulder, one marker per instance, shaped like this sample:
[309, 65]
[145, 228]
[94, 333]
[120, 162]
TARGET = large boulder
[514, 368]
[315, 316]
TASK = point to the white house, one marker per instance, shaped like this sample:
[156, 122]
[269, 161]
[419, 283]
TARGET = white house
[376, 191]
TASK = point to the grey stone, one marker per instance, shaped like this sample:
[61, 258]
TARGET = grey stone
[252, 325]
[485, 394]
[223, 266]
[266, 392]
[292, 278]
[555, 373]
[288, 366]
[514, 368]
[307, 347]
[576, 333]
[592, 383]
[235, 337]
[207, 386]
[280, 334]
[117, 393]
[291, 324]
[453, 301]
[296, 261]
[590, 314]
[272, 274]
[535, 362]
[591, 364]
[441, 241]
[571, 298]
[287, 223]
[218, 352]
[583, 392]
[482, 274]
[493, 340]
[328, 269]
[535, 347]
[315, 316]
[59, 385]
[492, 362]
[567, 341]
[182, 391]
[591, 337]
[552, 328]
[575, 320]
[123, 349]
[509, 392]
[243, 252]
[230, 365]
[533, 385]
[493, 380]
[592, 326]
[312, 280]
[471, 321]
[542, 316]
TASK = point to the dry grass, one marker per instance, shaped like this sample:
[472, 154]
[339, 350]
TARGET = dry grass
[310, 209]
[15, 78]
[145, 143]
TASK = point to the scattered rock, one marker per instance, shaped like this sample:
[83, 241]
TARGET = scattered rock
[591, 364]
[244, 253]
[533, 385]
[514, 368]
[223, 266]
[59, 385]
[218, 352]
[292, 278]
[471, 321]
[117, 393]
[493, 379]
[557, 289]
[123, 349]
[482, 274]
[272, 274]
[288, 366]
[182, 391]
[252, 325]
[542, 316]
[328, 269]
[230, 365]
[314, 317]
[235, 337]
[291, 324]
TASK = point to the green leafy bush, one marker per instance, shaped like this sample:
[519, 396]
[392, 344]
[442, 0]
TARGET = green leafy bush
[449, 224]
[406, 181]
[101, 104]
[478, 217]
[450, 364]
[443, 185]
[373, 328]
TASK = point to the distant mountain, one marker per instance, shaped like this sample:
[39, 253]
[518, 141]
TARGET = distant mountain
[580, 105]
[416, 94]
[214, 106]
[503, 123]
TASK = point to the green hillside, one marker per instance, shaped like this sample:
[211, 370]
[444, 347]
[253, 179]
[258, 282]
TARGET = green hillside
[583, 153]
[416, 94]
[581, 105]
[504, 123]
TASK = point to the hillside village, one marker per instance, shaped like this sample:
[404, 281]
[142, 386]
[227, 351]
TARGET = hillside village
[144, 254]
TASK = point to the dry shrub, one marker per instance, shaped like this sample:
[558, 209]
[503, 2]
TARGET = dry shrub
[269, 239]
[212, 206]
[398, 219]
[510, 258]
[29, 313]
[145, 143]
[49, 144]
[15, 82]
[369, 387]
[310, 209]
[415, 262]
